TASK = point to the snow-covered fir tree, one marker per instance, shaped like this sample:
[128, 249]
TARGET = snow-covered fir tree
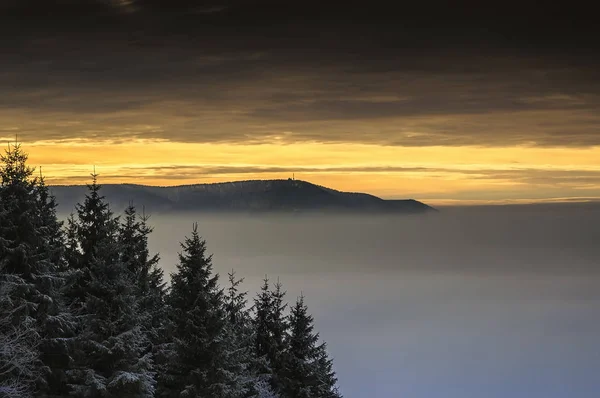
[270, 325]
[149, 280]
[30, 272]
[262, 316]
[19, 354]
[252, 372]
[109, 353]
[18, 296]
[279, 325]
[308, 370]
[201, 366]
[150, 286]
[57, 325]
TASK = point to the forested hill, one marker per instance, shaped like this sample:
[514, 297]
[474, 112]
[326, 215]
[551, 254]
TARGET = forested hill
[249, 196]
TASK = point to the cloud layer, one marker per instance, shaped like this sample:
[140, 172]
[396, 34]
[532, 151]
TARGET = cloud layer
[449, 102]
[229, 72]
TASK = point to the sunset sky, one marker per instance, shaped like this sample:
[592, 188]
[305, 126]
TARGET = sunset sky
[451, 104]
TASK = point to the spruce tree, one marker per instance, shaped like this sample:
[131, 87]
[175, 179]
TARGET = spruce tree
[270, 324]
[57, 324]
[30, 265]
[308, 370]
[262, 321]
[149, 282]
[238, 350]
[18, 295]
[253, 376]
[19, 354]
[150, 286]
[49, 227]
[109, 358]
[279, 323]
[18, 223]
[201, 366]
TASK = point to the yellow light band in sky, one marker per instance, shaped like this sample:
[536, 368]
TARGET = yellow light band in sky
[435, 173]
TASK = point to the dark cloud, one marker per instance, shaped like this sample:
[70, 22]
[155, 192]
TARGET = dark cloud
[233, 71]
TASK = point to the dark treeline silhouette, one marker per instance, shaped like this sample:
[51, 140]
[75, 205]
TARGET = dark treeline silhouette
[85, 310]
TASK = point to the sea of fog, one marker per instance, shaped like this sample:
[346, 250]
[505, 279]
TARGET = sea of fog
[467, 302]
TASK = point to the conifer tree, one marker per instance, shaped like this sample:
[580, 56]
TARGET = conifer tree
[270, 323]
[49, 227]
[308, 370]
[93, 230]
[135, 255]
[279, 322]
[109, 358]
[57, 324]
[252, 372]
[19, 355]
[97, 225]
[30, 264]
[18, 293]
[201, 366]
[18, 222]
[150, 286]
[262, 321]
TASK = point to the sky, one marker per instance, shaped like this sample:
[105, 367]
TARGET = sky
[461, 103]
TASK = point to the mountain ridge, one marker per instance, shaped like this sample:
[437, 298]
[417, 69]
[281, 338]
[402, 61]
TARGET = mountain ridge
[279, 195]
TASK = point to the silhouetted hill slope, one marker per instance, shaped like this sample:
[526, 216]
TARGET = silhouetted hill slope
[248, 196]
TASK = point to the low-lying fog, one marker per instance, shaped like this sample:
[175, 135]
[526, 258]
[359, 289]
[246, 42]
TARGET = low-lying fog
[480, 302]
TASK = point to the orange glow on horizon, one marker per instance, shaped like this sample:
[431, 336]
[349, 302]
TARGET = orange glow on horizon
[436, 174]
